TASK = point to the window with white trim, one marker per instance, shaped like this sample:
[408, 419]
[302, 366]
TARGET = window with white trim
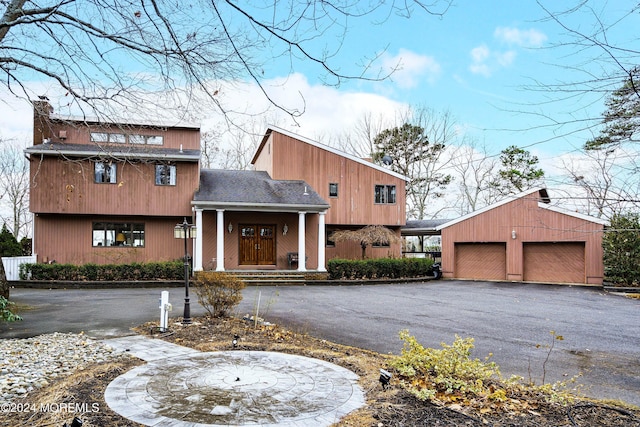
[385, 194]
[105, 172]
[165, 174]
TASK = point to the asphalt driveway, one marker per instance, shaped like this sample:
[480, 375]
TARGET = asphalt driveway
[601, 338]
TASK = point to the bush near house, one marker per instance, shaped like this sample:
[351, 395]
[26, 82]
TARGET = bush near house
[621, 247]
[173, 270]
[380, 268]
[218, 292]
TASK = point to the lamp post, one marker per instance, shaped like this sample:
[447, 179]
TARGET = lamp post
[185, 231]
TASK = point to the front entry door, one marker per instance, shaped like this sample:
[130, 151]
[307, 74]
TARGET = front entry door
[257, 245]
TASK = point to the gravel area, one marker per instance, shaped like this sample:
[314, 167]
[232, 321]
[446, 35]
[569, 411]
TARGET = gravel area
[27, 364]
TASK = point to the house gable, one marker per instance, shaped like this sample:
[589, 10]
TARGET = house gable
[528, 230]
[353, 181]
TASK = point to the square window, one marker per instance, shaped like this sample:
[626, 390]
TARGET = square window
[105, 173]
[333, 190]
[385, 194]
[165, 175]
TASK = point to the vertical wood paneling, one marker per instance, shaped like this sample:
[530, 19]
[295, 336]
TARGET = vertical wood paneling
[68, 239]
[74, 190]
[293, 159]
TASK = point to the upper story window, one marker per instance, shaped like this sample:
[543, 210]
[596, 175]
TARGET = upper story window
[121, 138]
[105, 172]
[165, 175]
[385, 194]
[117, 234]
[146, 139]
[333, 189]
[106, 137]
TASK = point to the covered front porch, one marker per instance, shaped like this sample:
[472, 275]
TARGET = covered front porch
[247, 221]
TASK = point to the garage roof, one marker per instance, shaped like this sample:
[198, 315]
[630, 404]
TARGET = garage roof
[543, 202]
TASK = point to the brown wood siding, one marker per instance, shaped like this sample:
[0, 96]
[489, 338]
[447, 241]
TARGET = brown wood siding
[483, 261]
[68, 239]
[319, 167]
[554, 262]
[79, 133]
[531, 224]
[61, 186]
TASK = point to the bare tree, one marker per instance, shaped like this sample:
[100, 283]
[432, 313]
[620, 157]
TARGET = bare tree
[417, 148]
[14, 190]
[604, 183]
[599, 54]
[118, 51]
[474, 170]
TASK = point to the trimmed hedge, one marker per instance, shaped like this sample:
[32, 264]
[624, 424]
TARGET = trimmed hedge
[379, 268]
[173, 270]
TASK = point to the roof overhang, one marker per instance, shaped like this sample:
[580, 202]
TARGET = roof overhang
[258, 207]
[173, 155]
[543, 202]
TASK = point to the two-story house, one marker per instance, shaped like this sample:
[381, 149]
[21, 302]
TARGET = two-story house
[109, 193]
[113, 193]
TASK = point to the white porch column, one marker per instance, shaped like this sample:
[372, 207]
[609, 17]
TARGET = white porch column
[321, 242]
[197, 251]
[302, 256]
[220, 240]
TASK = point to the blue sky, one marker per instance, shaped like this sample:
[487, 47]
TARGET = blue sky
[477, 60]
[474, 61]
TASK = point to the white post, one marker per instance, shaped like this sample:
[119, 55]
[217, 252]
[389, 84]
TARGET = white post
[302, 256]
[220, 240]
[165, 308]
[321, 242]
[197, 252]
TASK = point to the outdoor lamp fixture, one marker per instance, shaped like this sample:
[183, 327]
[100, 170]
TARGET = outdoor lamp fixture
[285, 229]
[235, 340]
[185, 231]
[385, 377]
[513, 234]
[230, 227]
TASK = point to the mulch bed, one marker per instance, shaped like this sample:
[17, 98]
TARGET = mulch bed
[389, 407]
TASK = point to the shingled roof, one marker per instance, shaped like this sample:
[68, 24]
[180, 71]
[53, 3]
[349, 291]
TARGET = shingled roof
[255, 190]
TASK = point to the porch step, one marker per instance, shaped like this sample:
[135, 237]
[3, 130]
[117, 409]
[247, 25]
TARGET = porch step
[276, 278]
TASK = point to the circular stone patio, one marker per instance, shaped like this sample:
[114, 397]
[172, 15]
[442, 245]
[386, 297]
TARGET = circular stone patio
[240, 388]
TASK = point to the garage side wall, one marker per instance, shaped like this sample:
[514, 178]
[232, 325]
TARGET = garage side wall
[520, 223]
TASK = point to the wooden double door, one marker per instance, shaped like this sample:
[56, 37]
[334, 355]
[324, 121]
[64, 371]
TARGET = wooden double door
[257, 244]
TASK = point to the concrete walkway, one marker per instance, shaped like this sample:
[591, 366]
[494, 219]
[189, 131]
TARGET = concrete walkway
[183, 387]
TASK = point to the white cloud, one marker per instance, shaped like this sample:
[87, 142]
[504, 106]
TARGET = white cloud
[411, 68]
[484, 61]
[327, 110]
[523, 38]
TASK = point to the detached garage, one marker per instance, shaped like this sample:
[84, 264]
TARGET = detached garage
[524, 238]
